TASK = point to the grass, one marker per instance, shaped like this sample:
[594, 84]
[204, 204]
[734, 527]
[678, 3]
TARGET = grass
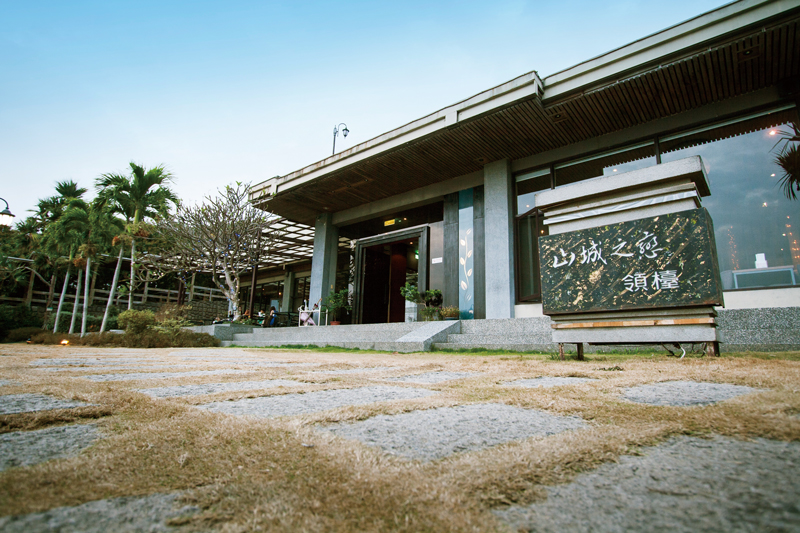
[247, 474]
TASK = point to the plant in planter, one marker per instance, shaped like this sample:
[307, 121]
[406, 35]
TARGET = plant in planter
[430, 300]
[335, 303]
[450, 312]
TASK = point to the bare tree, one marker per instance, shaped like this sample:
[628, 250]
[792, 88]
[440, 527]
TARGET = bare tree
[224, 235]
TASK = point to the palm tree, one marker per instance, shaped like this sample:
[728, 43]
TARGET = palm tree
[50, 209]
[93, 226]
[59, 241]
[144, 194]
[789, 160]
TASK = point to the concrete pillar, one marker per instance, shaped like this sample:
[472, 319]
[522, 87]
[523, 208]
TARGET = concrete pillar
[288, 293]
[323, 263]
[450, 254]
[499, 239]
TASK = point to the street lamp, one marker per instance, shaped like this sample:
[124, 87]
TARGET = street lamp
[345, 131]
[6, 217]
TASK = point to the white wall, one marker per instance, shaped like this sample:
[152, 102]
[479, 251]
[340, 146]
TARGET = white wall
[787, 297]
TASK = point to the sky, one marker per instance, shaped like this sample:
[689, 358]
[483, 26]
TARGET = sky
[220, 92]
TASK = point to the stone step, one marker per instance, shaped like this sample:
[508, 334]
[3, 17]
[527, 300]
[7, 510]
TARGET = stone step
[362, 345]
[506, 326]
[318, 335]
[397, 329]
[512, 347]
[533, 338]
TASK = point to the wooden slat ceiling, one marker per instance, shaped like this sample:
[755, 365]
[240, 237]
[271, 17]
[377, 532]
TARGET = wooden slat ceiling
[741, 65]
[295, 243]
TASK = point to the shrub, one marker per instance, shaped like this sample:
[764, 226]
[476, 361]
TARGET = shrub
[21, 334]
[135, 322]
[172, 312]
[150, 338]
[450, 311]
[48, 337]
[17, 317]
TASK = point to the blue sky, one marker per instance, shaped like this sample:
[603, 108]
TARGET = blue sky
[242, 91]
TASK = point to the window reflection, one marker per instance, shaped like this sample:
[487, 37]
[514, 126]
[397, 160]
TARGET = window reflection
[755, 225]
[528, 185]
[615, 162]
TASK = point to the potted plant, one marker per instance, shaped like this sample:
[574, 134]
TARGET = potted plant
[450, 312]
[430, 300]
[335, 303]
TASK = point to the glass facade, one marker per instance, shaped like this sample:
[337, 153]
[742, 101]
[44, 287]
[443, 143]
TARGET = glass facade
[528, 185]
[529, 228]
[634, 157]
[755, 225]
[466, 252]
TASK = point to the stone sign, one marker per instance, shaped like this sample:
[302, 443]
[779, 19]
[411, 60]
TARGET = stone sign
[659, 262]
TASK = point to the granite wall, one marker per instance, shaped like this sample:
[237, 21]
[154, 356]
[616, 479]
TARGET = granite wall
[764, 329]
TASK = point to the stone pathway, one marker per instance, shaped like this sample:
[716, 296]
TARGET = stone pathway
[211, 388]
[24, 448]
[159, 375]
[356, 370]
[298, 404]
[685, 393]
[547, 381]
[430, 378]
[684, 485]
[29, 403]
[119, 515]
[436, 433]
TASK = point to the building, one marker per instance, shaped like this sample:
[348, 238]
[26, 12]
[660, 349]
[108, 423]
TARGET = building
[448, 199]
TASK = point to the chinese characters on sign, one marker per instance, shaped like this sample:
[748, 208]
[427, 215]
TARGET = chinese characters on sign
[664, 261]
[662, 279]
[647, 247]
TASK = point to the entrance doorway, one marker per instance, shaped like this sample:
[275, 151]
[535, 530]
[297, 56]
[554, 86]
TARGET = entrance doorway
[383, 265]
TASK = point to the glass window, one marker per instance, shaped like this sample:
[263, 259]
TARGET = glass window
[755, 225]
[616, 162]
[529, 228]
[528, 184]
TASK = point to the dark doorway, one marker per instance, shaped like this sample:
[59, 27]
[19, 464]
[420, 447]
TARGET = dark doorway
[383, 267]
[387, 267]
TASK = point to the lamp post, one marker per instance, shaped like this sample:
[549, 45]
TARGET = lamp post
[6, 217]
[344, 130]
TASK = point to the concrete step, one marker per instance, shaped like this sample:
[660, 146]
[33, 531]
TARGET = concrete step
[533, 338]
[322, 334]
[506, 326]
[310, 332]
[363, 345]
[415, 337]
[512, 347]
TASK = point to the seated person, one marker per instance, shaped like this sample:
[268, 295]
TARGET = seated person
[273, 316]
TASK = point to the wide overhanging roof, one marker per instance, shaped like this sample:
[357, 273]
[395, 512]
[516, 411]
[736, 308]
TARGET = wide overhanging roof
[294, 243]
[733, 50]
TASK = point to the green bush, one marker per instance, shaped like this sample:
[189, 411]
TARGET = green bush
[21, 334]
[93, 322]
[17, 317]
[136, 322]
[150, 338]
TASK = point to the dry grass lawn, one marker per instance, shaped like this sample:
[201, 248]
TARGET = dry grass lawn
[249, 474]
